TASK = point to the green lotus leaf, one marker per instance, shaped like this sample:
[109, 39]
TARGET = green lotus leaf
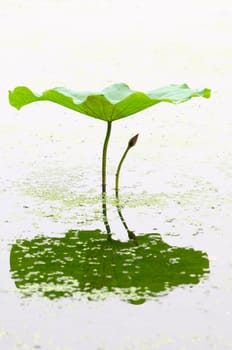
[86, 264]
[114, 102]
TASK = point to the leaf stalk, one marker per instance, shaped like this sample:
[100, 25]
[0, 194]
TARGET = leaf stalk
[104, 160]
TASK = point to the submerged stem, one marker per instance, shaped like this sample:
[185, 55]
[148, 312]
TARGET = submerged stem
[104, 159]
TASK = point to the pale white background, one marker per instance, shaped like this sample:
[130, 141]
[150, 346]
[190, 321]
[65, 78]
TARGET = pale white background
[184, 154]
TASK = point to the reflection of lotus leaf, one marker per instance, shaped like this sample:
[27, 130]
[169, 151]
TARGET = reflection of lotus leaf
[85, 262]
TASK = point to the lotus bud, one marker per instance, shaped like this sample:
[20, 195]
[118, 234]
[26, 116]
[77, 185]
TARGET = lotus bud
[133, 141]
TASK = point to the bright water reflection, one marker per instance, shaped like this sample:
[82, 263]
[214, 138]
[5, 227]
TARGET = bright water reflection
[86, 263]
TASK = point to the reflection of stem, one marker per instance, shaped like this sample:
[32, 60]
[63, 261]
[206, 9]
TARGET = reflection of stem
[104, 158]
[131, 143]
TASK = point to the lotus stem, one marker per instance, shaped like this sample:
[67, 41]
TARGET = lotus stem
[131, 143]
[104, 159]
